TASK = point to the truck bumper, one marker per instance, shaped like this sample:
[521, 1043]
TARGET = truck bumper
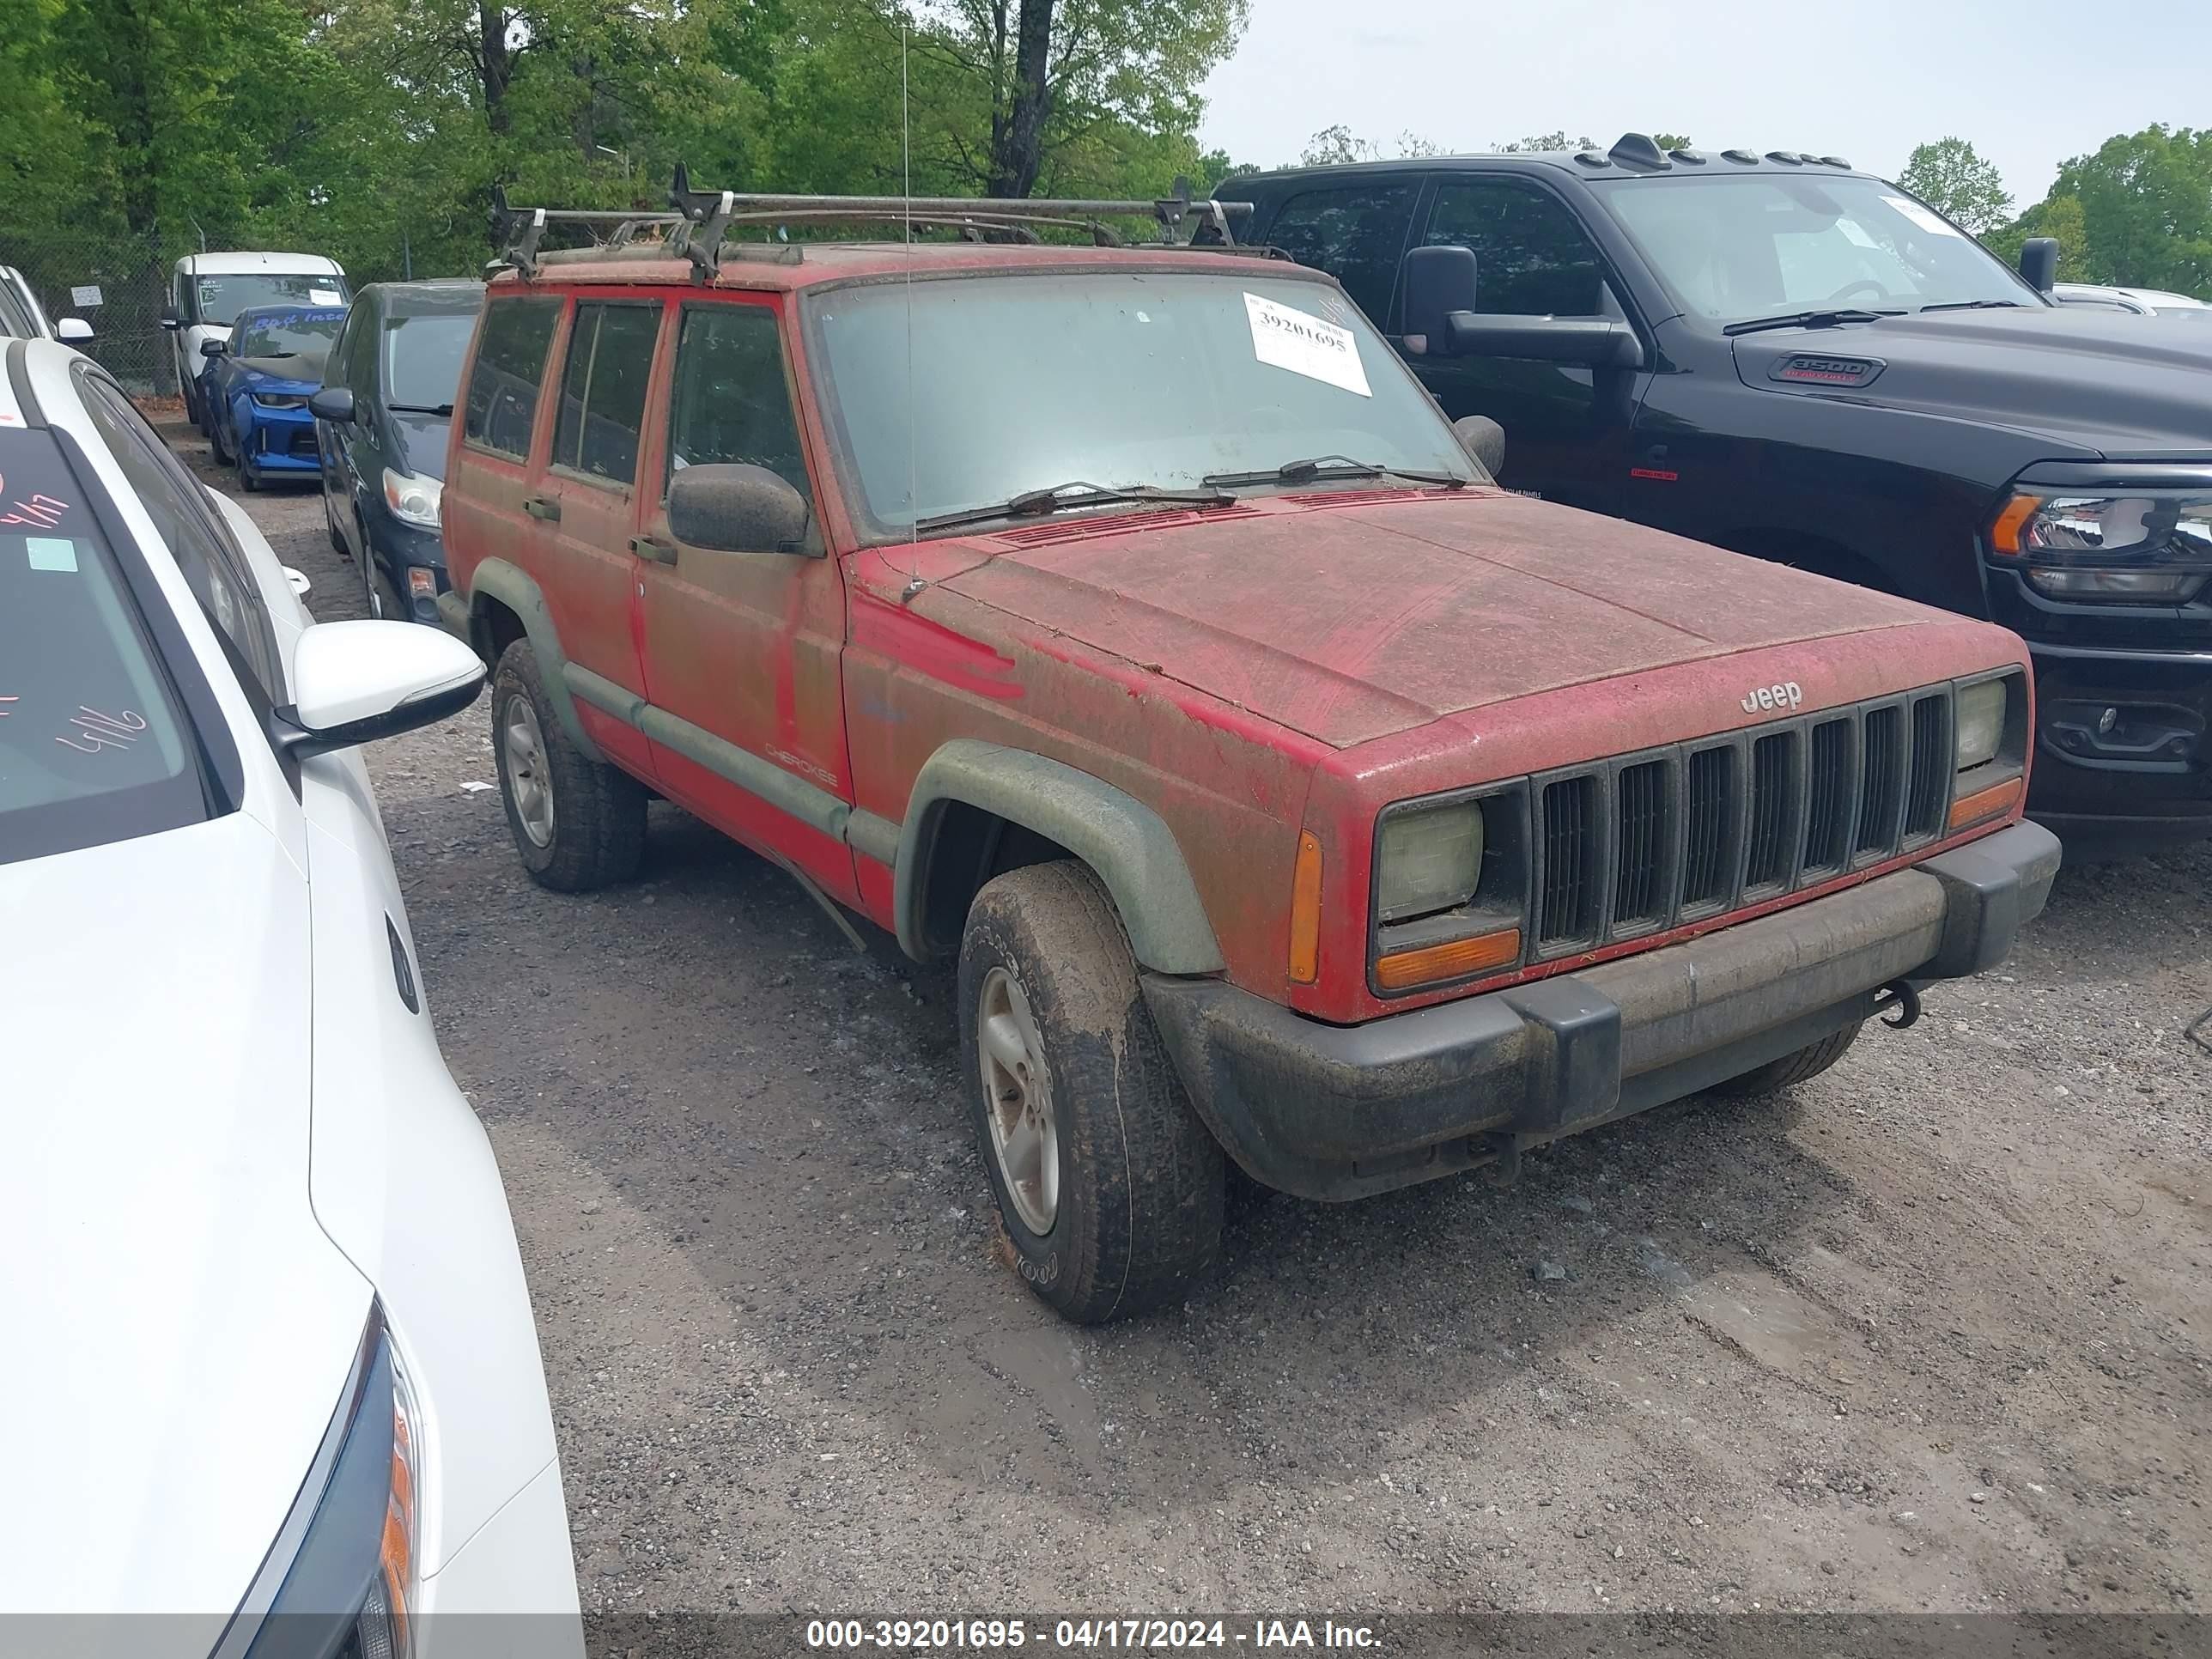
[2124, 747]
[1339, 1112]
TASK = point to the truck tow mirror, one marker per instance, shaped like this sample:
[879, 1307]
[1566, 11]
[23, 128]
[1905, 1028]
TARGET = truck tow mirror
[2038, 262]
[1439, 281]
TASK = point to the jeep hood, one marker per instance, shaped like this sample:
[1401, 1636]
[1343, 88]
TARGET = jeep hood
[2096, 384]
[1348, 617]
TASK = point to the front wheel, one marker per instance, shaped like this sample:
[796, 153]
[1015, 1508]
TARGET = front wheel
[1807, 1062]
[248, 479]
[578, 823]
[1109, 1188]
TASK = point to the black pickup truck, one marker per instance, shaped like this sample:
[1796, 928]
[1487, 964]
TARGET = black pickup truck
[1796, 360]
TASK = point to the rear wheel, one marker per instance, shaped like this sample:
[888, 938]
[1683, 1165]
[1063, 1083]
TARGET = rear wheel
[577, 823]
[1791, 1069]
[1109, 1189]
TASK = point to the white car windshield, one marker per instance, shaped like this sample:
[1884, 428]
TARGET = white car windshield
[94, 746]
[218, 300]
[1118, 378]
[1737, 247]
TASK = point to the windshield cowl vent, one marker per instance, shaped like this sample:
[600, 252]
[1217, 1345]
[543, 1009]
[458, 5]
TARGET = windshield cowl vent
[1115, 524]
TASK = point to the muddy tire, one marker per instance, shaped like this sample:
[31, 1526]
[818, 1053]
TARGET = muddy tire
[1807, 1062]
[577, 824]
[1109, 1188]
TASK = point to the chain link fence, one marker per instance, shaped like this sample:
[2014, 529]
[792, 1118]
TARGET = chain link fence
[116, 284]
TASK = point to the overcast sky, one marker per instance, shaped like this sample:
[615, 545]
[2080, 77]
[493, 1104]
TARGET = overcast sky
[2031, 82]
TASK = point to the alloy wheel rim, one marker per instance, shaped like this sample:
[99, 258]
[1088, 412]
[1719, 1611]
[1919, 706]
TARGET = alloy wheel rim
[1017, 1101]
[528, 779]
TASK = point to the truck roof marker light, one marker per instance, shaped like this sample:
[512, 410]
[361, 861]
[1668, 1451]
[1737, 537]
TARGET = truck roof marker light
[2004, 534]
[1305, 911]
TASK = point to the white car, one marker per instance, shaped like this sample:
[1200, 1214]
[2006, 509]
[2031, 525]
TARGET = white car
[207, 290]
[2141, 301]
[271, 1363]
[22, 317]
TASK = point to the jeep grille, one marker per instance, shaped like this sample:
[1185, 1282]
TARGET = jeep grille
[1643, 842]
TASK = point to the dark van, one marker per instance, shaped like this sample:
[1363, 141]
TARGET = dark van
[383, 415]
[1790, 358]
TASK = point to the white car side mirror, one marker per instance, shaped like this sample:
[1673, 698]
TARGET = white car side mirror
[297, 580]
[355, 682]
[72, 330]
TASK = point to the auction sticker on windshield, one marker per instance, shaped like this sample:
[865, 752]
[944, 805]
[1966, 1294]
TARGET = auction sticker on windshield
[1289, 338]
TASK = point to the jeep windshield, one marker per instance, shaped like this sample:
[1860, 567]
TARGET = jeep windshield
[1139, 380]
[1746, 247]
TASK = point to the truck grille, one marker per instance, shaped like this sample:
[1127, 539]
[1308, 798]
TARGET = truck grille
[1639, 843]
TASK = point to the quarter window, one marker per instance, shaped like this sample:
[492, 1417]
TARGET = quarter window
[502, 401]
[1356, 234]
[603, 389]
[1531, 259]
[176, 502]
[732, 402]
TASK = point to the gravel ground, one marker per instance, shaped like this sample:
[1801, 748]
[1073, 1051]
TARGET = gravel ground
[1930, 1332]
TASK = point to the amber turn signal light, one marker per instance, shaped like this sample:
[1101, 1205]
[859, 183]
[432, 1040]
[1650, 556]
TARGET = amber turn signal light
[1984, 803]
[2004, 534]
[1305, 911]
[1456, 960]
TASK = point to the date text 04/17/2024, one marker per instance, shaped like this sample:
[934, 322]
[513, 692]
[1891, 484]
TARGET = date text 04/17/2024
[1084, 1634]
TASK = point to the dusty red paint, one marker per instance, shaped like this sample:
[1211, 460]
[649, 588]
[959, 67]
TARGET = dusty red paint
[1295, 662]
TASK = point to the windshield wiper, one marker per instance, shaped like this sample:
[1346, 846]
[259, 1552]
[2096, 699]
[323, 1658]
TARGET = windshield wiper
[1037, 503]
[1335, 466]
[1974, 305]
[1811, 319]
[420, 409]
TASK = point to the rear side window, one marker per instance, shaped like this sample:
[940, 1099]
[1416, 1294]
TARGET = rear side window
[603, 389]
[1531, 258]
[732, 402]
[93, 744]
[1356, 232]
[502, 401]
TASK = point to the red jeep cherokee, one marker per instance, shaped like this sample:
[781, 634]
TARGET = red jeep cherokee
[1130, 623]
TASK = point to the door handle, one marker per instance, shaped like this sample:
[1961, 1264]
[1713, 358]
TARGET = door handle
[543, 507]
[653, 547]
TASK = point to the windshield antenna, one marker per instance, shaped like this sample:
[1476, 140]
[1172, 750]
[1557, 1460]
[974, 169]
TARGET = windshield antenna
[913, 582]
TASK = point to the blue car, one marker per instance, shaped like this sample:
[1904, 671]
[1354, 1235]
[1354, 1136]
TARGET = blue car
[257, 389]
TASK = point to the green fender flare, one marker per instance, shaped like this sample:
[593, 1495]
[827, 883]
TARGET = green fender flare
[495, 579]
[1120, 837]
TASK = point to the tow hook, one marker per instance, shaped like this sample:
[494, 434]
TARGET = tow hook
[1898, 1004]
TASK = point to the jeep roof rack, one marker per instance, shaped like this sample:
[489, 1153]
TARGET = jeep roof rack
[698, 222]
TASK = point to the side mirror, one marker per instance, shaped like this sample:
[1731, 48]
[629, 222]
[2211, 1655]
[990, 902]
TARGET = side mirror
[355, 682]
[332, 403]
[737, 508]
[1483, 439]
[1441, 317]
[212, 348]
[298, 582]
[1439, 281]
[72, 330]
[171, 319]
[2038, 262]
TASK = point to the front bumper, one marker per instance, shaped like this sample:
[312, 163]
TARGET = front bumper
[1339, 1112]
[2141, 778]
[282, 441]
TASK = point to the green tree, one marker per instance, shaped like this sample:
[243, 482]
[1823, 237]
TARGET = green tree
[1951, 177]
[1539, 142]
[2060, 219]
[2146, 208]
[1671, 141]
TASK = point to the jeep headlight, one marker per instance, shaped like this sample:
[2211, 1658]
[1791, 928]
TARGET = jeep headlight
[1427, 860]
[2148, 547]
[1981, 721]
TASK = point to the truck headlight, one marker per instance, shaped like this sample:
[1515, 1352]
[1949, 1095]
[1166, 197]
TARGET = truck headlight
[412, 499]
[1981, 718]
[2149, 547]
[1427, 860]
